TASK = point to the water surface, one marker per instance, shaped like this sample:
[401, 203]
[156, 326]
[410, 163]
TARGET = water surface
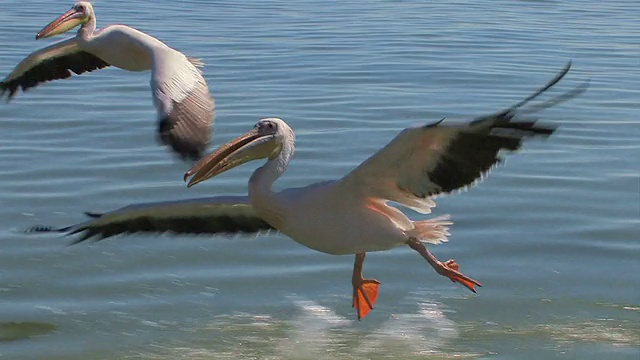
[553, 235]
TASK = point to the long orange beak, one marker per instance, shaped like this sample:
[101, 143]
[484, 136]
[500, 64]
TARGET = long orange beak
[64, 23]
[215, 162]
[249, 146]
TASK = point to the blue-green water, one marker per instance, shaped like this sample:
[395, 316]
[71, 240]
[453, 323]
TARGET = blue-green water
[553, 235]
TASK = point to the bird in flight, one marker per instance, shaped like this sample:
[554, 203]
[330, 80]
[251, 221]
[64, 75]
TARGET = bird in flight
[350, 215]
[180, 93]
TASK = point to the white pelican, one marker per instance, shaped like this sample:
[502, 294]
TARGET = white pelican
[180, 93]
[350, 215]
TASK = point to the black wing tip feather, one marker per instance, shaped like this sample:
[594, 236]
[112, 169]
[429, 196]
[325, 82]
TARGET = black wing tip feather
[471, 154]
[192, 226]
[223, 226]
[186, 149]
[52, 69]
[507, 115]
[506, 119]
[46, 229]
[9, 89]
[434, 124]
[69, 230]
[521, 130]
[476, 148]
[547, 86]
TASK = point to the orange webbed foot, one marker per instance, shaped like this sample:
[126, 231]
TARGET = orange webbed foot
[365, 295]
[451, 271]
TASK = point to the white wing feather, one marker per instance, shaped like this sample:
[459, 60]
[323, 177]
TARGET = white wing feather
[423, 162]
[185, 106]
[396, 172]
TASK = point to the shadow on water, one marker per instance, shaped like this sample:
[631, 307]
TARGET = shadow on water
[14, 331]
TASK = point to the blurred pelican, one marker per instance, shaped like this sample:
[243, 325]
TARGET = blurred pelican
[350, 215]
[180, 93]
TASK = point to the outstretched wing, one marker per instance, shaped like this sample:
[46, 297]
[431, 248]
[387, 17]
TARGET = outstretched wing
[438, 158]
[214, 215]
[185, 106]
[54, 62]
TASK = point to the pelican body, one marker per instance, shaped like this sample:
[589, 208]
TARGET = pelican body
[350, 215]
[180, 93]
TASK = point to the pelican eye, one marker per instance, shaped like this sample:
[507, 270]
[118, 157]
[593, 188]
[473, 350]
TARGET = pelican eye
[80, 8]
[267, 125]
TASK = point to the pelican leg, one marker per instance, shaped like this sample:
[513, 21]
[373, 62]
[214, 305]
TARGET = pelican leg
[365, 291]
[449, 268]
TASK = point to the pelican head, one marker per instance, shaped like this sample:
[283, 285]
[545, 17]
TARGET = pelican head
[263, 141]
[80, 13]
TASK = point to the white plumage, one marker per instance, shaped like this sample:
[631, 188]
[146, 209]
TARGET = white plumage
[352, 215]
[180, 93]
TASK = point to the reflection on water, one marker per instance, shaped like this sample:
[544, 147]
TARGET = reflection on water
[12, 331]
[612, 331]
[316, 332]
